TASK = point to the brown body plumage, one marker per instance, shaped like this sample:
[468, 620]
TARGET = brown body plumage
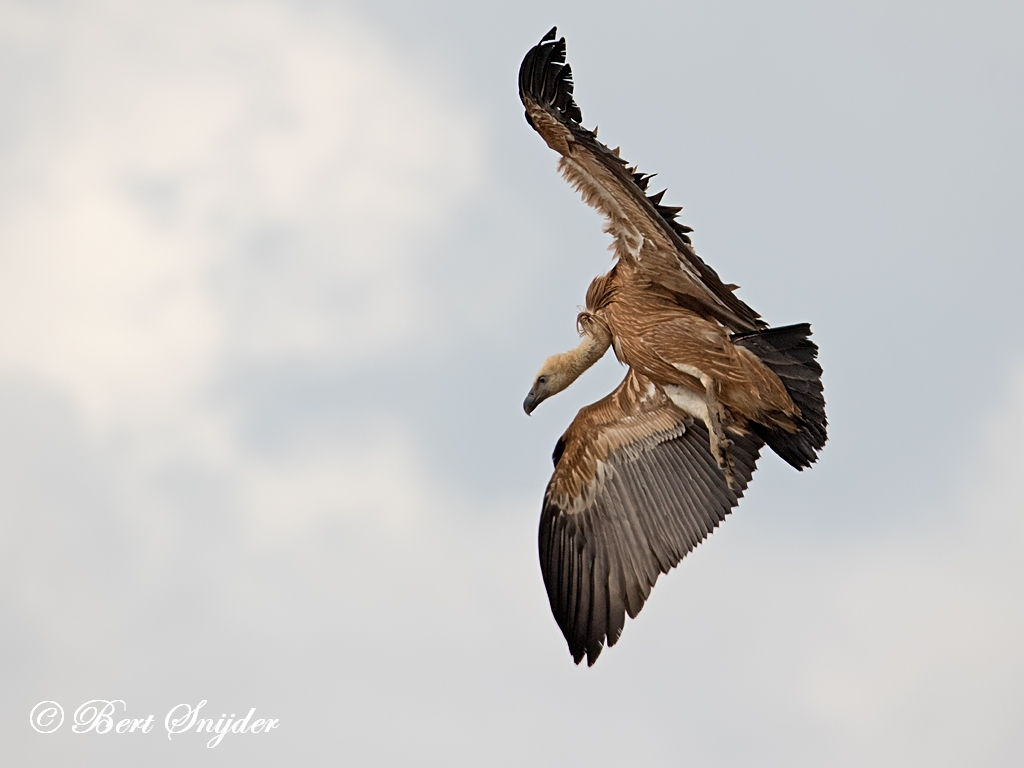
[677, 347]
[645, 474]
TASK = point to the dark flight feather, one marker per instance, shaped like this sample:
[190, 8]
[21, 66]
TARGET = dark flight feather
[655, 498]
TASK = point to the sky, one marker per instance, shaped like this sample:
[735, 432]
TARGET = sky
[275, 278]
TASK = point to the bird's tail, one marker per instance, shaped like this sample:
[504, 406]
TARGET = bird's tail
[789, 352]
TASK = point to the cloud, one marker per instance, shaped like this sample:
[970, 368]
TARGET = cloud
[899, 649]
[208, 183]
[928, 653]
[195, 194]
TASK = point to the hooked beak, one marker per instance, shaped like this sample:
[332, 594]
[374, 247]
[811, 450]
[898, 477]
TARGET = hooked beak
[530, 403]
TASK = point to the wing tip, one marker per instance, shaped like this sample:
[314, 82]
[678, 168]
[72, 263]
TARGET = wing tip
[545, 79]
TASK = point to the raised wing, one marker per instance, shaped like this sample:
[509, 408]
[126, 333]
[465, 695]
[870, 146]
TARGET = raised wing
[646, 232]
[635, 489]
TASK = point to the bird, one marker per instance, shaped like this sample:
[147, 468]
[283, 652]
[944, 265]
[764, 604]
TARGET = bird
[644, 475]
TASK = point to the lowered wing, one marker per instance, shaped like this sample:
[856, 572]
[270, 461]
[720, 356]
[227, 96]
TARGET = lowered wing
[635, 488]
[647, 235]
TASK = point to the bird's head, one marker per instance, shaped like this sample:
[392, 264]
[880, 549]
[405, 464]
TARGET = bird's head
[561, 370]
[554, 376]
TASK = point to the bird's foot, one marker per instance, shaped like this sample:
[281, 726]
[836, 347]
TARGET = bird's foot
[720, 444]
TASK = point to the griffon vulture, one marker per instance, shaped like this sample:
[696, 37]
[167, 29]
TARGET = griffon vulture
[644, 475]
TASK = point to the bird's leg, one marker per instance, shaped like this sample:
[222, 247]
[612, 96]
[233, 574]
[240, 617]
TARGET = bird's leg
[720, 444]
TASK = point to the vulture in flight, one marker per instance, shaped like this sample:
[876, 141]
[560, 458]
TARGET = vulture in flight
[645, 474]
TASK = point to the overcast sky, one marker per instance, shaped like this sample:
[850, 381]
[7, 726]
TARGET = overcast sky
[275, 278]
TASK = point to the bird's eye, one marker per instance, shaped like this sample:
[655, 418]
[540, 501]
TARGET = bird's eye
[542, 379]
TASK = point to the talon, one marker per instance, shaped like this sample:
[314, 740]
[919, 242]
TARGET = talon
[730, 479]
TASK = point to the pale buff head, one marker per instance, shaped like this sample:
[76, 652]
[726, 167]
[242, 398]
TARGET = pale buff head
[561, 370]
[555, 375]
